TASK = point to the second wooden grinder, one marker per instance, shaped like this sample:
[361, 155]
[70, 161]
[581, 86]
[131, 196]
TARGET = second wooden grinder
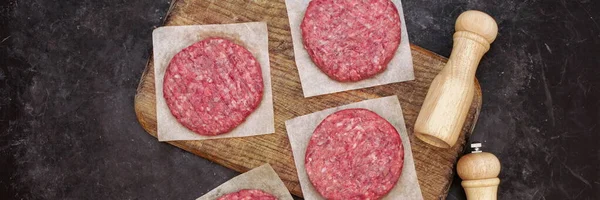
[479, 171]
[450, 95]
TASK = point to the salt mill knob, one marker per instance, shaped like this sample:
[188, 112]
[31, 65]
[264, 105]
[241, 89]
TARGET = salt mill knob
[449, 98]
[479, 171]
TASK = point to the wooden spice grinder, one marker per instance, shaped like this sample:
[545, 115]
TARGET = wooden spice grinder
[479, 171]
[447, 103]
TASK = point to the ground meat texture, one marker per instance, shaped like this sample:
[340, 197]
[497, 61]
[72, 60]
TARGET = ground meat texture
[212, 86]
[354, 154]
[351, 40]
[248, 195]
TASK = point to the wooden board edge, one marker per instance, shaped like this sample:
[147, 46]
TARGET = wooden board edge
[136, 99]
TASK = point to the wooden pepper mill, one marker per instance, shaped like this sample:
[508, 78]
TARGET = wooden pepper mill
[447, 103]
[479, 171]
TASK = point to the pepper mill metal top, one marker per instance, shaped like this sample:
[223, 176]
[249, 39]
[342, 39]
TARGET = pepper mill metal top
[475, 147]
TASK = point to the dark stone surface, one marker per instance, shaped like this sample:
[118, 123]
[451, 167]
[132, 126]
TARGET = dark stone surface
[69, 69]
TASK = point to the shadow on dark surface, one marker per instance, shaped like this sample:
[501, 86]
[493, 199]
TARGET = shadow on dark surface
[69, 70]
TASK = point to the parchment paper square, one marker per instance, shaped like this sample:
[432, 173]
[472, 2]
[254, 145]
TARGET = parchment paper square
[169, 40]
[300, 129]
[263, 178]
[315, 82]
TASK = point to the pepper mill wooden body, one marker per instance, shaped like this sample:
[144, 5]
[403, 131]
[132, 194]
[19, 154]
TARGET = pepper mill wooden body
[449, 97]
[479, 171]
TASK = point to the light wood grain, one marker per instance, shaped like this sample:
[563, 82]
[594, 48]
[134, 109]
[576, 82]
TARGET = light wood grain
[447, 103]
[479, 172]
[434, 165]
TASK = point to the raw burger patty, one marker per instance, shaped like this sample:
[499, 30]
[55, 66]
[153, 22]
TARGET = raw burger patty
[212, 86]
[248, 195]
[351, 40]
[354, 154]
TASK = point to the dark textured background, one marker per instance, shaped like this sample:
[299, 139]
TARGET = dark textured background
[69, 70]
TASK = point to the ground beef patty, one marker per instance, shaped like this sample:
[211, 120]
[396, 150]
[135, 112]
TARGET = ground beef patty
[354, 154]
[351, 40]
[248, 195]
[212, 86]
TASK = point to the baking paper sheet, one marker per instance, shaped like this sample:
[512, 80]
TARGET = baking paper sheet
[300, 129]
[315, 82]
[263, 178]
[169, 40]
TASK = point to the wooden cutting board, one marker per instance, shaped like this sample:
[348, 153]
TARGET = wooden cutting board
[434, 165]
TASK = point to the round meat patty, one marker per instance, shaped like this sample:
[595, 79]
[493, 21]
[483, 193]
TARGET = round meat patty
[354, 154]
[212, 86]
[248, 195]
[351, 40]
